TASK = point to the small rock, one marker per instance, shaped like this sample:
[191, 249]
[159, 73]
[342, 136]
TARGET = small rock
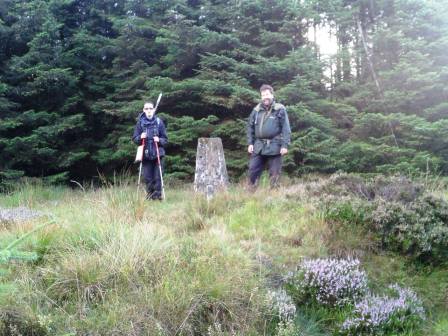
[18, 214]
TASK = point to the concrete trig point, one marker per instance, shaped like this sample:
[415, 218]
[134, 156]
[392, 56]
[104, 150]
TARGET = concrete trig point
[211, 172]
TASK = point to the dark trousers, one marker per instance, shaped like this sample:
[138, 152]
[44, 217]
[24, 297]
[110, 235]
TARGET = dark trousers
[258, 162]
[152, 178]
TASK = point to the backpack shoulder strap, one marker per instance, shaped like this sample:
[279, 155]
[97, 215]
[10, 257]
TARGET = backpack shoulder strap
[278, 106]
[279, 110]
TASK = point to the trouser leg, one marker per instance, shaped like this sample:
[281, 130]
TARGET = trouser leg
[148, 173]
[256, 165]
[275, 166]
[158, 180]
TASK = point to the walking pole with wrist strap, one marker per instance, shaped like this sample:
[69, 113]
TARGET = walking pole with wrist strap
[160, 170]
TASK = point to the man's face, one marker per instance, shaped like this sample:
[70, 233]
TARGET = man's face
[267, 97]
[149, 110]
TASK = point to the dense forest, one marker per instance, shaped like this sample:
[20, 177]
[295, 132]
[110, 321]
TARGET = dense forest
[74, 75]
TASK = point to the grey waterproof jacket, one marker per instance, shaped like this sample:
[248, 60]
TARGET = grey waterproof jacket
[268, 129]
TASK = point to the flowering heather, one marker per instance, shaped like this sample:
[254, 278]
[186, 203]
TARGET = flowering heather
[281, 303]
[333, 282]
[377, 314]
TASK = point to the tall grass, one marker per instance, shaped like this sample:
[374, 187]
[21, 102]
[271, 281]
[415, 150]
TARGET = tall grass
[117, 264]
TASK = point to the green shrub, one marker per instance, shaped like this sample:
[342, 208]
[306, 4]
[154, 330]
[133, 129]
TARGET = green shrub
[348, 210]
[17, 322]
[404, 217]
[419, 229]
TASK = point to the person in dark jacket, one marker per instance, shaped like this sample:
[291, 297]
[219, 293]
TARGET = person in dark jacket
[152, 129]
[268, 137]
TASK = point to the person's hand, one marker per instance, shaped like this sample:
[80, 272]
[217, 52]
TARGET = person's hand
[283, 151]
[143, 136]
[250, 149]
[156, 139]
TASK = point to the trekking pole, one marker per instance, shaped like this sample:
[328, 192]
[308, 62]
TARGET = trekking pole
[160, 170]
[157, 102]
[157, 151]
[140, 167]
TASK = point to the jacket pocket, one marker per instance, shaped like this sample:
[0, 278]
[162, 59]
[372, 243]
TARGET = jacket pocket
[272, 147]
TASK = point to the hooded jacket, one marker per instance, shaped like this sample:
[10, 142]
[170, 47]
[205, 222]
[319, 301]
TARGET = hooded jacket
[268, 129]
[152, 127]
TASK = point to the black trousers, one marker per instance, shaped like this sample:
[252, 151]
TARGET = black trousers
[152, 178]
[258, 162]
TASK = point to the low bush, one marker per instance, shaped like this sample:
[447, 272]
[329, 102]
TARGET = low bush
[330, 282]
[383, 315]
[281, 304]
[404, 217]
[338, 291]
[419, 229]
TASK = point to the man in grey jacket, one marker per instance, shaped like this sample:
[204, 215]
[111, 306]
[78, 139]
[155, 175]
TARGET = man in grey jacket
[268, 136]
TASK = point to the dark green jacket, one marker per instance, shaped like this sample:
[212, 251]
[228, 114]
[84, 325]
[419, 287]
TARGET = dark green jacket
[268, 130]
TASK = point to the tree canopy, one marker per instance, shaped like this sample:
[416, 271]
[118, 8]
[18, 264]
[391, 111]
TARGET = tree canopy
[74, 75]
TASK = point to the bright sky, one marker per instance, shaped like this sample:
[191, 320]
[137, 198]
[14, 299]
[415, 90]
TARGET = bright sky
[326, 42]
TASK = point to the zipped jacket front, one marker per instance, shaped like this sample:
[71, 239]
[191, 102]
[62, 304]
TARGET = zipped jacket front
[268, 129]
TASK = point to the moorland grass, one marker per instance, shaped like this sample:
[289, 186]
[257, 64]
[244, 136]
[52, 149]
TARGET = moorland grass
[114, 263]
